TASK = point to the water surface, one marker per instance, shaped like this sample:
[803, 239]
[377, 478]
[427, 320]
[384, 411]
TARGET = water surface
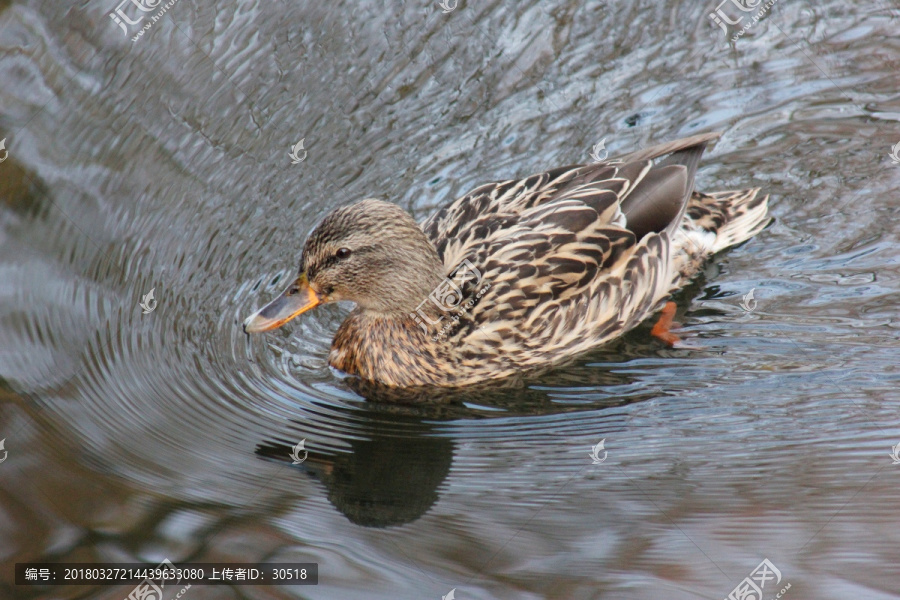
[164, 164]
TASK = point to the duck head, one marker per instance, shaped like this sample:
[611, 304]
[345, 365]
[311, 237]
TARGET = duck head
[372, 253]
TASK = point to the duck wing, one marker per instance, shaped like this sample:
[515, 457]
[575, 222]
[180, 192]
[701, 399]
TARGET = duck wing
[558, 281]
[568, 258]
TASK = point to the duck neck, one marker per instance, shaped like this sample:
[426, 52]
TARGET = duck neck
[414, 275]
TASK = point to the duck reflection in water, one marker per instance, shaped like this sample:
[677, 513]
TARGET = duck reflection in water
[387, 479]
[399, 457]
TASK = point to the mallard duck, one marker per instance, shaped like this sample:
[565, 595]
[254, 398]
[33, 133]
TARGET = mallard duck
[515, 275]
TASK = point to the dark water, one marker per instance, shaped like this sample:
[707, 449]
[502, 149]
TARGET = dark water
[164, 164]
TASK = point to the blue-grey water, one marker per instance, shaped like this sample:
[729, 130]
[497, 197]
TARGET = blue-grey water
[164, 164]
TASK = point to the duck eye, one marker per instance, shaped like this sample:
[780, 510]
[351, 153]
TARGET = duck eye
[343, 253]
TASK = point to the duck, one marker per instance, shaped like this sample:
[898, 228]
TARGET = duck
[516, 275]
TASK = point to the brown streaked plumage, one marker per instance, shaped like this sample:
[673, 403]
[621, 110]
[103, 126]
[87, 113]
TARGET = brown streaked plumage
[517, 274]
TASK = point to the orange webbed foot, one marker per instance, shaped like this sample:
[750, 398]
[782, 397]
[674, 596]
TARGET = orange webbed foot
[662, 329]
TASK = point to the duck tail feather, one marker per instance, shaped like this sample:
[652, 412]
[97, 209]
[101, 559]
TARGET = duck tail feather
[746, 213]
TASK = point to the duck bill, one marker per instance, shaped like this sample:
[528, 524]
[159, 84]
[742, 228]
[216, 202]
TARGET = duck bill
[296, 300]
